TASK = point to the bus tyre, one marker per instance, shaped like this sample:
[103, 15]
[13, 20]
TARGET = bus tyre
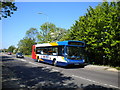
[82, 66]
[54, 62]
[38, 58]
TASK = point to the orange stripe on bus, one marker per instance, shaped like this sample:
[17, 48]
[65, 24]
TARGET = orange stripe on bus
[54, 44]
[41, 59]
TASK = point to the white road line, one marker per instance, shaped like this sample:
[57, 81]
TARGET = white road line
[94, 81]
[27, 61]
[73, 75]
[47, 67]
[23, 60]
[113, 86]
[55, 70]
[33, 63]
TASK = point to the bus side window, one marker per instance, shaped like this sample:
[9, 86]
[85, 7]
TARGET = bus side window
[37, 51]
[55, 51]
[41, 52]
[50, 51]
[45, 51]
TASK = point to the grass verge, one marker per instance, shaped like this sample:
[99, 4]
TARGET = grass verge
[28, 56]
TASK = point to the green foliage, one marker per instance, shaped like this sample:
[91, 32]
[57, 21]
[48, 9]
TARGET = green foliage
[15, 50]
[100, 29]
[58, 34]
[7, 8]
[11, 48]
[32, 33]
[45, 33]
[25, 45]
[50, 33]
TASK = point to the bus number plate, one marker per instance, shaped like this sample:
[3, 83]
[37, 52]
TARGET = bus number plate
[76, 64]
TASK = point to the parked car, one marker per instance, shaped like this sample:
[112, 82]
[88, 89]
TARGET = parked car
[9, 53]
[19, 55]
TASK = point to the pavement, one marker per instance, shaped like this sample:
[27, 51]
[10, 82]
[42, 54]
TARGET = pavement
[101, 68]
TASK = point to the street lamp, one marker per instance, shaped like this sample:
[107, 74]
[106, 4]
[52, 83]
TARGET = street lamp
[47, 22]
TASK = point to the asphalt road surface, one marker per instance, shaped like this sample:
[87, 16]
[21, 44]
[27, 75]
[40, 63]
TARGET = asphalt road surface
[25, 73]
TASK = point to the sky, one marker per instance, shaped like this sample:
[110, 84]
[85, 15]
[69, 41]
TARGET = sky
[62, 14]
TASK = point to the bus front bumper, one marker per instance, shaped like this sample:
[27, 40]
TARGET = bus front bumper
[70, 64]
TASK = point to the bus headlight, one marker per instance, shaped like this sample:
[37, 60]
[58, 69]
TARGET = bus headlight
[83, 60]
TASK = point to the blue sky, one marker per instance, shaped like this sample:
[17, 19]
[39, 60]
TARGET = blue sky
[62, 14]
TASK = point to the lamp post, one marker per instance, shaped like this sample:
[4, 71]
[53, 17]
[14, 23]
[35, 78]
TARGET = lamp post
[47, 22]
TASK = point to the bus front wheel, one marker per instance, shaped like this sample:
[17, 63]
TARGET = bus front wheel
[54, 62]
[38, 58]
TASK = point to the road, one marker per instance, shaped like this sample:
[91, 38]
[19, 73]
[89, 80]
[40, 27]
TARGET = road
[25, 73]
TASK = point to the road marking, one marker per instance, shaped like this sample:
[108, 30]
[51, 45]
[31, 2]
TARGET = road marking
[20, 59]
[47, 67]
[113, 86]
[55, 70]
[73, 75]
[23, 60]
[94, 81]
[33, 63]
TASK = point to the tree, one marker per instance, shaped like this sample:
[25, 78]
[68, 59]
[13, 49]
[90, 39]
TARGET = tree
[32, 33]
[66, 35]
[7, 7]
[50, 33]
[11, 48]
[57, 34]
[44, 34]
[25, 45]
[100, 29]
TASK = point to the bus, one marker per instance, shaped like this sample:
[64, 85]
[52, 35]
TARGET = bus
[61, 53]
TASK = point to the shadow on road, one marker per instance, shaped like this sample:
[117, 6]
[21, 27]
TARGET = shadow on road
[5, 58]
[23, 75]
